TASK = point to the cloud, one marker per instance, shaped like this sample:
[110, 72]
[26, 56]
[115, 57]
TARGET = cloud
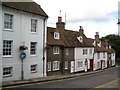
[94, 15]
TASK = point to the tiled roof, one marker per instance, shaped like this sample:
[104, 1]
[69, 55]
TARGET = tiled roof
[68, 38]
[103, 47]
[108, 50]
[97, 48]
[50, 37]
[30, 7]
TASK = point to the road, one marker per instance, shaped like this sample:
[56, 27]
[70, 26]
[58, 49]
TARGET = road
[106, 79]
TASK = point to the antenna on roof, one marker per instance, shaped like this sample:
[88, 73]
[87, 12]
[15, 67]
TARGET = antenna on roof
[60, 13]
[65, 18]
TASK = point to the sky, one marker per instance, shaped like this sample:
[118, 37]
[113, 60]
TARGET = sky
[94, 15]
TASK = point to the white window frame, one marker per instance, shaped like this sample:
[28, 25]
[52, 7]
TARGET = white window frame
[98, 65]
[91, 51]
[103, 54]
[56, 49]
[56, 65]
[9, 70]
[80, 38]
[34, 27]
[56, 35]
[66, 64]
[33, 68]
[85, 51]
[8, 21]
[110, 47]
[67, 51]
[113, 54]
[33, 53]
[98, 55]
[80, 64]
[49, 66]
[8, 48]
[104, 63]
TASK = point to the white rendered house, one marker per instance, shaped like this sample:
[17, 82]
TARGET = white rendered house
[100, 53]
[23, 25]
[84, 53]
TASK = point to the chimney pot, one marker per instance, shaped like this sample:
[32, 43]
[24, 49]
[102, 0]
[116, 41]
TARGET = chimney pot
[59, 19]
[81, 27]
[97, 33]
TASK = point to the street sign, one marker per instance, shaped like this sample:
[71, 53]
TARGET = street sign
[23, 55]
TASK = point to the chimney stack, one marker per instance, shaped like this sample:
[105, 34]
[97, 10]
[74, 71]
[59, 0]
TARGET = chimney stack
[60, 24]
[81, 30]
[59, 19]
[97, 37]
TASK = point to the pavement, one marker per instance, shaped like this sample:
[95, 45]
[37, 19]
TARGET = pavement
[51, 78]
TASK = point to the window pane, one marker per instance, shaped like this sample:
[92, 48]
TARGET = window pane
[7, 47]
[8, 21]
[33, 48]
[33, 25]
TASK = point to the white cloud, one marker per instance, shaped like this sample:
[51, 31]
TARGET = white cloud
[92, 14]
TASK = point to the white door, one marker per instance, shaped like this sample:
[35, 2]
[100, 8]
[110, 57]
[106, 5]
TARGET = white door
[85, 68]
[72, 66]
[86, 65]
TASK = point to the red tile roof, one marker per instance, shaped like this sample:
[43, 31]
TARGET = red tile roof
[68, 38]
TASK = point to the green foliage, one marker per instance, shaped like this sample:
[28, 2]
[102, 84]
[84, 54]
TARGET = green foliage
[114, 40]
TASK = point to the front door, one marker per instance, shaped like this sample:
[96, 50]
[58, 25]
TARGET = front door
[91, 64]
[101, 65]
[86, 65]
[72, 66]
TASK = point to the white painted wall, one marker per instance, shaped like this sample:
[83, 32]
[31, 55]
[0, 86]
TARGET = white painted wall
[0, 45]
[99, 60]
[118, 29]
[80, 57]
[113, 58]
[20, 35]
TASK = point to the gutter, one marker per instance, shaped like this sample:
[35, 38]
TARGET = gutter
[44, 29]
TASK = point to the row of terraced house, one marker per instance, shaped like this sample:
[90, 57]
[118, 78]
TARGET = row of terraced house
[30, 49]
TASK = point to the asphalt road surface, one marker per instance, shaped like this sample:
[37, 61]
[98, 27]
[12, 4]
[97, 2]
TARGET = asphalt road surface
[106, 79]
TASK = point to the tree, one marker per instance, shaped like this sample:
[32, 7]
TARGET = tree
[114, 40]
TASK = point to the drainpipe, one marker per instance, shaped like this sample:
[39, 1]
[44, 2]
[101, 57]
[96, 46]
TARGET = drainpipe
[1, 45]
[44, 42]
[93, 60]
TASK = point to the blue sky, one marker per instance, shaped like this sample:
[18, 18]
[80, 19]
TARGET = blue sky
[94, 15]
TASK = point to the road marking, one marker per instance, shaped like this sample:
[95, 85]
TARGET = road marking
[55, 80]
[103, 85]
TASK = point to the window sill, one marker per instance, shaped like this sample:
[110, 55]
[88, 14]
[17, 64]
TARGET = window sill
[33, 72]
[33, 55]
[34, 33]
[10, 30]
[56, 53]
[4, 76]
[7, 56]
[55, 69]
[48, 70]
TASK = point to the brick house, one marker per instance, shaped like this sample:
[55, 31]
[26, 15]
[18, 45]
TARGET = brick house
[67, 51]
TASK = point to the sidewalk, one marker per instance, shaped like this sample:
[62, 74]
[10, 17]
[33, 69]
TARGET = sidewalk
[50, 78]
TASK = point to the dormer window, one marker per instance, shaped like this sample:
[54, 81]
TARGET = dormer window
[80, 38]
[106, 47]
[99, 44]
[109, 47]
[56, 35]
